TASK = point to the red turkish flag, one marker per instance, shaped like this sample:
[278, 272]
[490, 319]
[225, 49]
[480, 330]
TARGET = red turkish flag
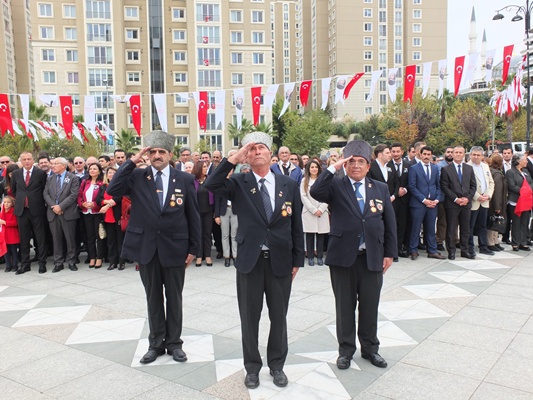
[305, 87]
[205, 39]
[507, 54]
[409, 83]
[351, 84]
[256, 103]
[135, 107]
[102, 136]
[82, 131]
[202, 110]
[458, 73]
[6, 123]
[28, 133]
[66, 114]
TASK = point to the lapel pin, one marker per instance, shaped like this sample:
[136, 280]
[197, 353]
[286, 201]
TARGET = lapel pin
[369, 185]
[252, 190]
[149, 177]
[173, 180]
[280, 194]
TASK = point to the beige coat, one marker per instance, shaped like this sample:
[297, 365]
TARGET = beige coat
[312, 223]
[488, 192]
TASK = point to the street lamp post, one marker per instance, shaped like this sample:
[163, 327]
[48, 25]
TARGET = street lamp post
[526, 11]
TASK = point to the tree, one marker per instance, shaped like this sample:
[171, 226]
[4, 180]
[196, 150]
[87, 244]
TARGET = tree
[471, 122]
[126, 141]
[236, 133]
[371, 130]
[282, 124]
[405, 133]
[310, 134]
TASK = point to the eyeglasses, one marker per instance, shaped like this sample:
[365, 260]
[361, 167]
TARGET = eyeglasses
[4, 162]
[78, 162]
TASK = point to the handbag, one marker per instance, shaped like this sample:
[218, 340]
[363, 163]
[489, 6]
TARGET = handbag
[102, 234]
[497, 223]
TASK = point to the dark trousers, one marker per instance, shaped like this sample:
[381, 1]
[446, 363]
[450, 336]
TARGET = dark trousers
[206, 220]
[310, 244]
[427, 217]
[64, 230]
[250, 290]
[401, 211]
[165, 331]
[29, 224]
[351, 285]
[507, 234]
[519, 227]
[217, 237]
[478, 222]
[115, 238]
[441, 223]
[457, 217]
[12, 256]
[95, 247]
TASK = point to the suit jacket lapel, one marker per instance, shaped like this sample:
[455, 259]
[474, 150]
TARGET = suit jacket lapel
[171, 187]
[150, 181]
[251, 188]
[350, 191]
[279, 197]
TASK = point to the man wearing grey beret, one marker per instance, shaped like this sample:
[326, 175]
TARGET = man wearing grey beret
[362, 244]
[163, 236]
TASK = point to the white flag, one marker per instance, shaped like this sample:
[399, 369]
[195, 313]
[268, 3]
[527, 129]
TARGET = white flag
[238, 99]
[89, 114]
[288, 89]
[220, 107]
[340, 85]
[375, 76]
[489, 63]
[160, 102]
[50, 100]
[270, 96]
[472, 63]
[391, 83]
[326, 83]
[426, 77]
[120, 99]
[442, 76]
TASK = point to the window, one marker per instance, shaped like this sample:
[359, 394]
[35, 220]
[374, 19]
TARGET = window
[207, 12]
[71, 34]
[236, 79]
[99, 32]
[382, 99]
[382, 44]
[382, 16]
[368, 68]
[178, 35]
[208, 34]
[180, 77]
[209, 78]
[397, 30]
[258, 79]
[417, 42]
[181, 98]
[207, 57]
[368, 55]
[211, 122]
[100, 77]
[367, 27]
[236, 37]
[48, 55]
[73, 77]
[49, 77]
[382, 58]
[235, 16]
[180, 57]
[98, 9]
[133, 56]
[382, 3]
[415, 2]
[417, 14]
[72, 55]
[367, 83]
[417, 55]
[47, 32]
[134, 77]
[397, 58]
[368, 110]
[132, 34]
[102, 100]
[258, 58]
[99, 55]
[367, 40]
[383, 30]
[367, 12]
[397, 16]
[397, 3]
[417, 28]
[178, 14]
[257, 17]
[45, 10]
[397, 44]
[75, 99]
[236, 58]
[383, 86]
[258, 37]
[131, 13]
[182, 140]
[181, 119]
[69, 11]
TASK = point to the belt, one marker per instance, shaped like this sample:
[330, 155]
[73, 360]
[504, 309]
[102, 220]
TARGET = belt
[265, 254]
[362, 252]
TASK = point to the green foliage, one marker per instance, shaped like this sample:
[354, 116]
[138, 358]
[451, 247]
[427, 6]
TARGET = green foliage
[57, 147]
[126, 141]
[282, 124]
[310, 134]
[246, 127]
[202, 145]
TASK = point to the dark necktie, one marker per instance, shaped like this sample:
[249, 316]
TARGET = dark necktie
[361, 203]
[159, 188]
[398, 170]
[286, 169]
[266, 199]
[460, 173]
[58, 188]
[27, 181]
[427, 172]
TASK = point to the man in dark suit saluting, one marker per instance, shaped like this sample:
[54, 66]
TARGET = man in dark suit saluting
[30, 209]
[61, 195]
[163, 236]
[362, 244]
[458, 183]
[270, 247]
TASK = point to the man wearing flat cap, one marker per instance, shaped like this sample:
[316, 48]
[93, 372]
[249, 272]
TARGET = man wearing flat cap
[362, 244]
[270, 247]
[163, 236]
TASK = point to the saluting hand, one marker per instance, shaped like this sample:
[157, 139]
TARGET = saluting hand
[241, 155]
[139, 156]
[338, 165]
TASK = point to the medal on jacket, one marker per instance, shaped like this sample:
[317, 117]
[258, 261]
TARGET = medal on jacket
[172, 201]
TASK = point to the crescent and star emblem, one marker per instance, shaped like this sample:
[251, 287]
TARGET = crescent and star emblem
[305, 86]
[410, 77]
[135, 108]
[257, 99]
[507, 59]
[66, 109]
[459, 69]
[201, 103]
[3, 107]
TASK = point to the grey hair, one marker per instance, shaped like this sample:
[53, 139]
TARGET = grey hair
[516, 159]
[61, 160]
[477, 148]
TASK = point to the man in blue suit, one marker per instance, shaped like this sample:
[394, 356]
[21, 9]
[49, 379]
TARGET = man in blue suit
[424, 185]
[362, 244]
[285, 167]
[163, 236]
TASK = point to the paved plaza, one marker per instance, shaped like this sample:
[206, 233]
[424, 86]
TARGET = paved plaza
[459, 329]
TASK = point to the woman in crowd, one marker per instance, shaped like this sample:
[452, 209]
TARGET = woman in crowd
[7, 182]
[206, 205]
[11, 233]
[89, 191]
[520, 199]
[498, 202]
[226, 217]
[112, 210]
[315, 215]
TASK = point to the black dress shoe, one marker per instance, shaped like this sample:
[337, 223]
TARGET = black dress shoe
[343, 362]
[500, 247]
[8, 269]
[121, 266]
[251, 381]
[529, 243]
[151, 356]
[280, 379]
[451, 256]
[440, 247]
[57, 268]
[421, 246]
[219, 255]
[525, 248]
[487, 251]
[87, 261]
[375, 359]
[72, 267]
[112, 267]
[436, 256]
[396, 259]
[493, 248]
[515, 248]
[178, 355]
[227, 262]
[319, 261]
[507, 241]
[468, 255]
[42, 269]
[311, 262]
[77, 260]
[403, 254]
[414, 256]
[22, 270]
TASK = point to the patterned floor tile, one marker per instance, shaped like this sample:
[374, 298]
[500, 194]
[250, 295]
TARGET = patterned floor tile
[438, 291]
[410, 309]
[53, 316]
[107, 331]
[16, 303]
[461, 276]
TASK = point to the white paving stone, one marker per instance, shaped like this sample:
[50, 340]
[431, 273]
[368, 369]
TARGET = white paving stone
[461, 276]
[438, 291]
[410, 309]
[53, 316]
[107, 331]
[18, 303]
